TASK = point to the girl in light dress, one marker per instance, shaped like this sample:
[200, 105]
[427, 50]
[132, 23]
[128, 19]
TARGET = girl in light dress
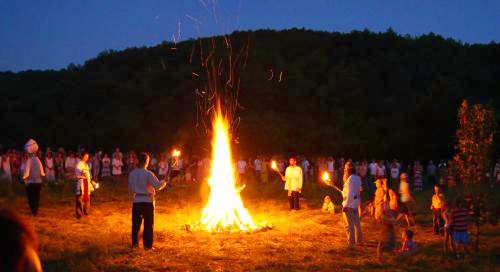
[6, 170]
[117, 165]
[50, 173]
[106, 166]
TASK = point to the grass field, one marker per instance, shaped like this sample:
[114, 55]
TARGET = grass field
[307, 240]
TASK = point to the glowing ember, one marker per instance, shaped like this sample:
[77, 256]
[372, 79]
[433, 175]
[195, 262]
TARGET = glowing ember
[224, 210]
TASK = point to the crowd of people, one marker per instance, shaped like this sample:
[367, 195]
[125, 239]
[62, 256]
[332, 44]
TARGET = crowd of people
[382, 189]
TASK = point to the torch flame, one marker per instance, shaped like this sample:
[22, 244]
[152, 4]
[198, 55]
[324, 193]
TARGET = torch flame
[224, 210]
[326, 176]
[273, 165]
[176, 153]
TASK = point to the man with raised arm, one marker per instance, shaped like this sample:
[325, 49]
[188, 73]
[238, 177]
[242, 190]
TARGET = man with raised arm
[141, 186]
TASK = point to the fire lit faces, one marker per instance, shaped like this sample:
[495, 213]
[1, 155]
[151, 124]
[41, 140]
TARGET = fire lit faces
[293, 162]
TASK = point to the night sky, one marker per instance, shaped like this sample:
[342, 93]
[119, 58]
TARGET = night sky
[50, 34]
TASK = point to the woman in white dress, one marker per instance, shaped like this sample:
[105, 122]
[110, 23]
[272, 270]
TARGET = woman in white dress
[106, 166]
[7, 174]
[50, 173]
[117, 165]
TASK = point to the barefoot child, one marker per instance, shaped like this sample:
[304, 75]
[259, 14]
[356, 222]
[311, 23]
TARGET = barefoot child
[387, 236]
[460, 223]
[448, 239]
[408, 246]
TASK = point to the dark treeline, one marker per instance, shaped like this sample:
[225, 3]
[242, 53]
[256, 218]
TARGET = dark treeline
[358, 94]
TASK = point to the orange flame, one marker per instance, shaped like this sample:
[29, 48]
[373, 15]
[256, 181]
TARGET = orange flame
[176, 153]
[273, 165]
[224, 210]
[326, 176]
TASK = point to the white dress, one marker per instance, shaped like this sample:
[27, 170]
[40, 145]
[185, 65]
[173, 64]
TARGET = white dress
[50, 173]
[117, 167]
[7, 174]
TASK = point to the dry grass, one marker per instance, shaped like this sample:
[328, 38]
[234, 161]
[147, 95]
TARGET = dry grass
[304, 240]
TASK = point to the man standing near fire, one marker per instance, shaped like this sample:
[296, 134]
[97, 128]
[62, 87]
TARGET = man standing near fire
[293, 183]
[141, 186]
[32, 176]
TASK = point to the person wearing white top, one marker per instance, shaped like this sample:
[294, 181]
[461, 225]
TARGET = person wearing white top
[141, 186]
[242, 169]
[373, 169]
[258, 169]
[305, 169]
[293, 183]
[84, 186]
[49, 167]
[7, 173]
[406, 198]
[70, 162]
[32, 176]
[380, 170]
[351, 201]
[117, 165]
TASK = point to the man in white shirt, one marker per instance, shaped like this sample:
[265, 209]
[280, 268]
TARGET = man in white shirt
[258, 169]
[141, 186]
[373, 169]
[305, 169]
[293, 183]
[242, 169]
[32, 176]
[351, 202]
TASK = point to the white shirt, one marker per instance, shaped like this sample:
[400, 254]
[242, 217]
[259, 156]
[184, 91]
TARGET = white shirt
[82, 170]
[330, 166]
[351, 192]
[242, 166]
[70, 162]
[258, 165]
[293, 178]
[305, 165]
[394, 172]
[142, 184]
[373, 168]
[117, 167]
[379, 171]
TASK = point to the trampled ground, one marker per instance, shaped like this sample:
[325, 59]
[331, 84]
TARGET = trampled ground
[304, 240]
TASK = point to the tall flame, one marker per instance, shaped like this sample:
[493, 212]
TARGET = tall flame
[224, 210]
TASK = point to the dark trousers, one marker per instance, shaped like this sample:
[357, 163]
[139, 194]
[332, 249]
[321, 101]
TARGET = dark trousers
[437, 221]
[140, 211]
[294, 201]
[81, 207]
[33, 193]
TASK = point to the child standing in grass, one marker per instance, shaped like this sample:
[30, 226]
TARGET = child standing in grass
[460, 223]
[408, 244]
[387, 236]
[448, 239]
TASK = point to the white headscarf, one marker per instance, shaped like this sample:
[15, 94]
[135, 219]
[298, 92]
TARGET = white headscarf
[31, 146]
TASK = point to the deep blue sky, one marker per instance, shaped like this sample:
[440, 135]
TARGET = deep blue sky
[50, 34]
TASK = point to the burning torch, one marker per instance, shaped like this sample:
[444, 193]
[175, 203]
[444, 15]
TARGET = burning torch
[327, 180]
[275, 168]
[176, 153]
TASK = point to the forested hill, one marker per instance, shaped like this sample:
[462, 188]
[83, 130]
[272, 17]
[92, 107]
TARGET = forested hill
[357, 94]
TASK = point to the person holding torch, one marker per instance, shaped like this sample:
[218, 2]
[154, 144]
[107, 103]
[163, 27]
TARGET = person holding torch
[293, 183]
[141, 185]
[84, 186]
